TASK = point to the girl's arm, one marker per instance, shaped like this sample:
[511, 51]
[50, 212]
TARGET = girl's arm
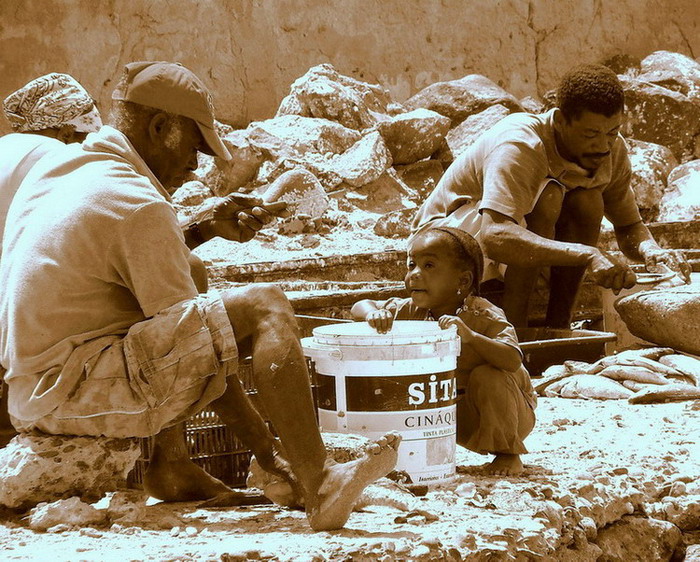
[496, 353]
[380, 318]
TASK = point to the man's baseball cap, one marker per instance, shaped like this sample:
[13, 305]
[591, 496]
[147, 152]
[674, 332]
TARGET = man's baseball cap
[175, 89]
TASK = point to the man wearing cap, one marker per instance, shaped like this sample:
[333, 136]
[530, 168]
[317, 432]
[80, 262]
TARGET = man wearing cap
[44, 114]
[104, 331]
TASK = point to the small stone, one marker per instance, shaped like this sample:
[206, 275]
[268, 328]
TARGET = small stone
[60, 528]
[619, 471]
[420, 550]
[175, 531]
[589, 527]
[90, 532]
[466, 490]
[71, 512]
[561, 421]
[677, 489]
[192, 531]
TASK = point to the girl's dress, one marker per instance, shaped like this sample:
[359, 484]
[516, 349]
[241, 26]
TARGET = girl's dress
[496, 411]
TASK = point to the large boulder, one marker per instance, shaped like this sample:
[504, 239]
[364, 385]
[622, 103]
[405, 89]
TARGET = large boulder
[191, 193]
[662, 116]
[302, 192]
[301, 134]
[385, 194]
[37, 468]
[465, 134]
[414, 135]
[363, 162]
[396, 224]
[227, 176]
[421, 176]
[323, 92]
[666, 317]
[651, 165]
[292, 141]
[639, 538]
[681, 200]
[673, 71]
[458, 99]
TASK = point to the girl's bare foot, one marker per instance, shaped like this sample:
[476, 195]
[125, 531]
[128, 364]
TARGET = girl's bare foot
[181, 481]
[343, 483]
[505, 465]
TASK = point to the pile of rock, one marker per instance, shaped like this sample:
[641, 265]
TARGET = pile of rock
[363, 150]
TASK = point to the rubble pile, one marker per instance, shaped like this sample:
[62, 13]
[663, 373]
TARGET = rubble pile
[378, 159]
[642, 376]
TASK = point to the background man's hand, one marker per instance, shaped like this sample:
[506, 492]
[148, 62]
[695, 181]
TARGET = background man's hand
[611, 274]
[239, 216]
[674, 259]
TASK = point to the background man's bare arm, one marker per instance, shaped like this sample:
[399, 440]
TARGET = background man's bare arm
[507, 242]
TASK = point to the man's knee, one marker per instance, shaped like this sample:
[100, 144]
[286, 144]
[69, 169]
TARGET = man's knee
[198, 271]
[254, 305]
[545, 214]
[581, 216]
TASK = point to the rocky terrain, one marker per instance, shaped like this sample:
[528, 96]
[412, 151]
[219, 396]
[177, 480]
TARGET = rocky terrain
[374, 160]
[604, 480]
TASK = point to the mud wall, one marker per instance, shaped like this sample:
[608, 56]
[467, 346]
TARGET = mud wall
[249, 51]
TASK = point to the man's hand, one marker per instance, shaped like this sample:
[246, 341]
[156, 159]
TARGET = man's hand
[381, 320]
[239, 216]
[611, 274]
[674, 259]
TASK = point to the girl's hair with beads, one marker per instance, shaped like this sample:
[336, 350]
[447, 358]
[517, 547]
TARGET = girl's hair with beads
[466, 250]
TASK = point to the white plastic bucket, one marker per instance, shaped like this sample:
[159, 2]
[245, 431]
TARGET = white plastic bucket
[404, 381]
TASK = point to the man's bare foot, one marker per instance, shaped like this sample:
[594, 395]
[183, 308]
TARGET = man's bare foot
[181, 481]
[505, 465]
[344, 483]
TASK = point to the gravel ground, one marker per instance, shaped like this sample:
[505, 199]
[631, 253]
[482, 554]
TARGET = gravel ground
[589, 464]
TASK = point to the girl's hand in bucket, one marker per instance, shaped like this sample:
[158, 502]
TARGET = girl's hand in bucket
[465, 333]
[381, 320]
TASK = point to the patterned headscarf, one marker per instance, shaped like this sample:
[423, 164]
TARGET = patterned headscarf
[49, 102]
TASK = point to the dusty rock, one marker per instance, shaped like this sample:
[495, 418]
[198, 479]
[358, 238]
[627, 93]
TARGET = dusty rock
[692, 554]
[532, 105]
[662, 116]
[683, 512]
[421, 176]
[246, 159]
[364, 162]
[292, 141]
[414, 135]
[323, 92]
[458, 99]
[651, 165]
[301, 190]
[674, 71]
[665, 316]
[396, 224]
[70, 512]
[127, 507]
[37, 468]
[191, 193]
[622, 63]
[385, 194]
[465, 134]
[638, 538]
[681, 200]
[301, 134]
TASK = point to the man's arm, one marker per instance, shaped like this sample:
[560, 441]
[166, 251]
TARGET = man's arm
[236, 217]
[507, 242]
[637, 243]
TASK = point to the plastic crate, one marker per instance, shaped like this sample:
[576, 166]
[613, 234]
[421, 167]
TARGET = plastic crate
[543, 347]
[211, 444]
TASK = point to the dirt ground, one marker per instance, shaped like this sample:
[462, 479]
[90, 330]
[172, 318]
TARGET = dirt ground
[589, 464]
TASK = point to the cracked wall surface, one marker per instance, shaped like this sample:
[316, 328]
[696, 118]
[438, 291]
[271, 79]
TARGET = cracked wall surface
[249, 51]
